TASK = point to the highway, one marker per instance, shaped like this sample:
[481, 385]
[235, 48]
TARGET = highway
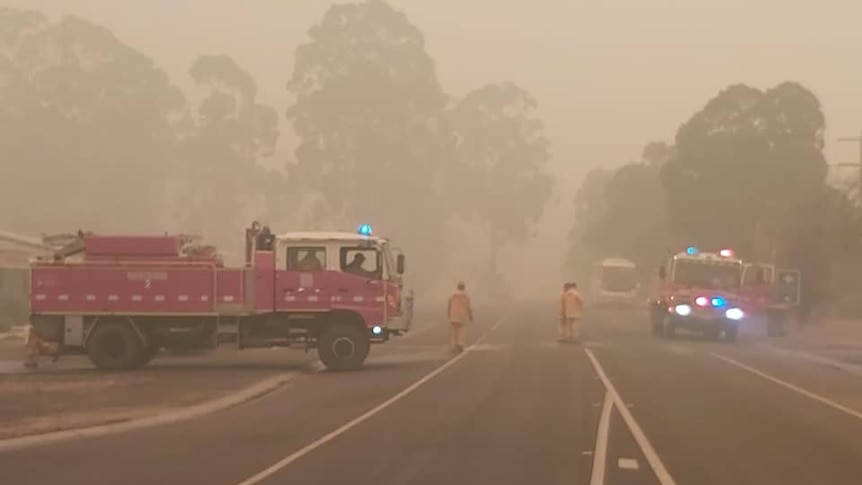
[622, 408]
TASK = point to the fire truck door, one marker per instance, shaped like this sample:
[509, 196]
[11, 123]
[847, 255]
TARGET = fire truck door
[301, 285]
[363, 285]
[788, 286]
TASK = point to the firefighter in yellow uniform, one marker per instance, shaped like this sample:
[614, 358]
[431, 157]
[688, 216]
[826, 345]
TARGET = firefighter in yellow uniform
[37, 347]
[460, 313]
[571, 311]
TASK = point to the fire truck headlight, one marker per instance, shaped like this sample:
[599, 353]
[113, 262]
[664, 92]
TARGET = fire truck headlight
[377, 330]
[734, 314]
[682, 310]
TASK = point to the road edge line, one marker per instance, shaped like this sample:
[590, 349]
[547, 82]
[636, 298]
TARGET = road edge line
[658, 468]
[309, 448]
[234, 399]
[600, 453]
[792, 387]
[815, 358]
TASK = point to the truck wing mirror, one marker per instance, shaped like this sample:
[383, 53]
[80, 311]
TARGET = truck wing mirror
[399, 264]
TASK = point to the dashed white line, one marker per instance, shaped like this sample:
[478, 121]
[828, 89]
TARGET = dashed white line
[358, 420]
[600, 455]
[806, 393]
[649, 452]
[628, 464]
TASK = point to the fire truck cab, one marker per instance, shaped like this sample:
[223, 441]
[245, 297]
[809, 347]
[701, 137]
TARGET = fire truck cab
[771, 293]
[698, 292]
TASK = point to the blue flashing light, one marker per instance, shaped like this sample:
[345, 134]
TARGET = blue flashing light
[364, 230]
[718, 302]
[691, 250]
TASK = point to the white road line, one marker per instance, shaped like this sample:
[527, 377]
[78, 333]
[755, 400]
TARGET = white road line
[356, 421]
[809, 394]
[649, 452]
[628, 464]
[600, 456]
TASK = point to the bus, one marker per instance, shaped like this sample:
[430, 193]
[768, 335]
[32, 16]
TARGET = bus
[615, 283]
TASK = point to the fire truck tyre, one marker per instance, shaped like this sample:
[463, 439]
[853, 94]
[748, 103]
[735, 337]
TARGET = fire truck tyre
[775, 324]
[730, 334]
[712, 334]
[656, 317]
[343, 347]
[147, 354]
[115, 346]
[669, 329]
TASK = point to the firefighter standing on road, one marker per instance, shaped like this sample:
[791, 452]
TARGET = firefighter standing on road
[571, 309]
[37, 347]
[460, 313]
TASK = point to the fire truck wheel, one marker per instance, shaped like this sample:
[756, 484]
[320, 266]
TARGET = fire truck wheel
[668, 329]
[343, 347]
[656, 318]
[730, 334]
[115, 346]
[147, 354]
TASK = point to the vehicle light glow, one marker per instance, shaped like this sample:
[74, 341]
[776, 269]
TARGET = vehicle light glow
[701, 301]
[734, 314]
[682, 310]
[364, 230]
[377, 330]
[691, 250]
[718, 302]
[726, 253]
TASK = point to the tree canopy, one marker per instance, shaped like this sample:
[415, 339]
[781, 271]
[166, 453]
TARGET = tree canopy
[381, 142]
[501, 151]
[227, 133]
[747, 171]
[86, 125]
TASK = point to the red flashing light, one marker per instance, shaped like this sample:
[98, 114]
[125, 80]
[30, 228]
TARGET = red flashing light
[701, 301]
[726, 253]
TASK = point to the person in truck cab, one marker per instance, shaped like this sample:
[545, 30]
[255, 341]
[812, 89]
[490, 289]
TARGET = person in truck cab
[309, 262]
[355, 267]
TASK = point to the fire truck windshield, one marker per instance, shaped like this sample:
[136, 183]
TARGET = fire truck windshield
[704, 274]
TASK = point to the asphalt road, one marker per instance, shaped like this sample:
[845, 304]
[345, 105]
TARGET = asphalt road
[517, 408]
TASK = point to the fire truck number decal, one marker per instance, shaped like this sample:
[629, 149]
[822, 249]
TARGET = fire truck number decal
[147, 284]
[146, 276]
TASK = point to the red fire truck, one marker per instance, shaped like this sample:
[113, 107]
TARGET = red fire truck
[121, 298]
[698, 292]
